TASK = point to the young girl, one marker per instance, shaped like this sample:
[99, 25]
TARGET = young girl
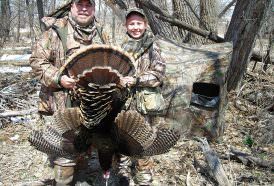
[150, 70]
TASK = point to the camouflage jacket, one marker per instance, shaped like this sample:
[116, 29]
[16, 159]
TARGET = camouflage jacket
[150, 66]
[48, 56]
[150, 70]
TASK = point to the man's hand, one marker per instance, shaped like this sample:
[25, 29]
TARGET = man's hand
[67, 82]
[127, 81]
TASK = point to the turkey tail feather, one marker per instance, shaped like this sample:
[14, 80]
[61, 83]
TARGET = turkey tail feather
[134, 133]
[37, 140]
[138, 138]
[165, 140]
[96, 101]
[98, 75]
[100, 56]
[67, 119]
[57, 138]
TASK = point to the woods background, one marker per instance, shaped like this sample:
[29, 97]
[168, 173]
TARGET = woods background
[246, 151]
[189, 21]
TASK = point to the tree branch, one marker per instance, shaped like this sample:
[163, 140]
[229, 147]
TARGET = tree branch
[207, 34]
[152, 6]
[164, 16]
[18, 113]
[226, 8]
[121, 4]
[192, 10]
[195, 14]
[118, 10]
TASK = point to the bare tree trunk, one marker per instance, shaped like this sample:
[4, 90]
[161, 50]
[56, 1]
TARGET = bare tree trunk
[30, 18]
[270, 48]
[246, 22]
[158, 26]
[5, 21]
[164, 4]
[208, 14]
[100, 5]
[130, 3]
[119, 10]
[104, 17]
[18, 21]
[46, 10]
[40, 13]
[52, 6]
[113, 27]
[183, 10]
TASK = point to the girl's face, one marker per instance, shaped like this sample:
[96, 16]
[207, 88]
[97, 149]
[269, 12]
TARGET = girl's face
[136, 26]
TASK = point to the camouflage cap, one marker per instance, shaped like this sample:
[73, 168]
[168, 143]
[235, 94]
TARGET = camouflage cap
[135, 10]
[91, 1]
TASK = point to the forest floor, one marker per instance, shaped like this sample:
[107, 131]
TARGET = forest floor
[249, 121]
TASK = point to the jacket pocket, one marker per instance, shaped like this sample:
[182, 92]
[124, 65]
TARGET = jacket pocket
[150, 101]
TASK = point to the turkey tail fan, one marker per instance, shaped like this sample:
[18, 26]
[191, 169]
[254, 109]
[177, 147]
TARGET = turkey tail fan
[99, 76]
[96, 102]
[41, 142]
[100, 56]
[134, 134]
[66, 120]
[166, 139]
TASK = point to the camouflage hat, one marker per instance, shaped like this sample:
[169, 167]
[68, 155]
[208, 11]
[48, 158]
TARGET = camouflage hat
[135, 10]
[91, 1]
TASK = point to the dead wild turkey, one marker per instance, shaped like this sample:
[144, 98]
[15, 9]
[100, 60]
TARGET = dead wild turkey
[99, 120]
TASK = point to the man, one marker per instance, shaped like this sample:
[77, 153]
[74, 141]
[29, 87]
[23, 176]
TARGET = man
[64, 37]
[149, 76]
[79, 29]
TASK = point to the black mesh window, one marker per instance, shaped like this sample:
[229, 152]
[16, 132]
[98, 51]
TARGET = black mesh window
[206, 95]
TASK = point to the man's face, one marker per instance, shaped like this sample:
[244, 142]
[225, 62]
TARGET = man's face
[82, 12]
[136, 26]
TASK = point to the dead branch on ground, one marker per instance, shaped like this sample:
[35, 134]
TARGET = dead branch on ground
[13, 113]
[248, 159]
[214, 163]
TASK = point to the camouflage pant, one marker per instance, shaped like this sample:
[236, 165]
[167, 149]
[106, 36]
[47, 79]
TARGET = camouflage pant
[64, 171]
[142, 170]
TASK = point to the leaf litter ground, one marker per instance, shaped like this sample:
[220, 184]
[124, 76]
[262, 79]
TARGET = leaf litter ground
[249, 123]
